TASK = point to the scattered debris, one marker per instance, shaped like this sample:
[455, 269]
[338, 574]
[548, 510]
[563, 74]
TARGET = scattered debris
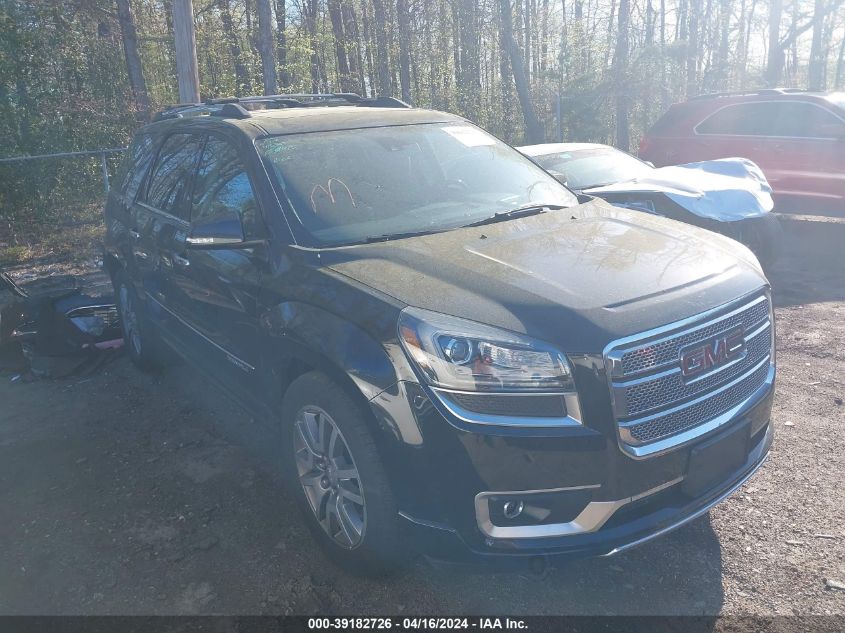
[789, 423]
[59, 329]
[827, 536]
[794, 542]
[835, 584]
[837, 401]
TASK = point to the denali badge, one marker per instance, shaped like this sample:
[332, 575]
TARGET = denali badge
[727, 346]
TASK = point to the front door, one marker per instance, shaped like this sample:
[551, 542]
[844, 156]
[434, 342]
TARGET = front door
[215, 290]
[160, 226]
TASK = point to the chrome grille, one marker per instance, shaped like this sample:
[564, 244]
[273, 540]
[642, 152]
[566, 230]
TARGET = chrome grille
[669, 388]
[664, 352]
[652, 401]
[688, 417]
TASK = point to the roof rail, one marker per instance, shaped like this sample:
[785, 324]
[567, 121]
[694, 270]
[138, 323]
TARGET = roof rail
[739, 93]
[240, 107]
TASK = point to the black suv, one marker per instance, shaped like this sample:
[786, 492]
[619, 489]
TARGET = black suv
[459, 355]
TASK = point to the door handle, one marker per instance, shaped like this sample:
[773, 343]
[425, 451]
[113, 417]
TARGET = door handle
[184, 262]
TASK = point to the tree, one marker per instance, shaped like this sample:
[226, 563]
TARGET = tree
[134, 69]
[265, 47]
[187, 73]
[620, 75]
[404, 18]
[533, 130]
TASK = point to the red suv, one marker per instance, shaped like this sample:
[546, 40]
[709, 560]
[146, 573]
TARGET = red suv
[797, 138]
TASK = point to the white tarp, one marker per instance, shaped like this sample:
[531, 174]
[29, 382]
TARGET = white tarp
[728, 189]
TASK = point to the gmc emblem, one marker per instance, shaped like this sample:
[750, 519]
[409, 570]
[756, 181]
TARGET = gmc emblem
[727, 346]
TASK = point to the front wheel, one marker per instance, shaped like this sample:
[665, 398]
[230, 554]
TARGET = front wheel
[334, 470]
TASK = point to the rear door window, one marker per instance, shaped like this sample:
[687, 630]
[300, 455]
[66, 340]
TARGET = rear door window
[222, 191]
[785, 119]
[744, 119]
[171, 176]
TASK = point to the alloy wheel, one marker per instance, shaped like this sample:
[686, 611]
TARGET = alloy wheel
[329, 477]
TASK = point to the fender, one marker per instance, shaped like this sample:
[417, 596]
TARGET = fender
[304, 336]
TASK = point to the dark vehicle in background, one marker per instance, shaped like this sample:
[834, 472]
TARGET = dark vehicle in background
[797, 138]
[451, 352]
[729, 196]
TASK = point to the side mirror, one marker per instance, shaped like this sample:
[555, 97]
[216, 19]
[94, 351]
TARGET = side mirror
[222, 233]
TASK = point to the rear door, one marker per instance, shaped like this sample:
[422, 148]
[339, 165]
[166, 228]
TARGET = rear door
[215, 290]
[808, 150]
[797, 144]
[741, 130]
[160, 218]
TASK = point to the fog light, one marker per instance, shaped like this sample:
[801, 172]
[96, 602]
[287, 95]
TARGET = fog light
[512, 509]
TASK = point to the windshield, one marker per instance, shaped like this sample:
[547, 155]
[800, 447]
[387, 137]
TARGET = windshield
[352, 185]
[585, 168]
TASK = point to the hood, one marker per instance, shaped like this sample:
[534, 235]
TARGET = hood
[728, 189]
[577, 277]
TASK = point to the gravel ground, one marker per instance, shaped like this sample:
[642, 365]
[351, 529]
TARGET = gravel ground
[124, 493]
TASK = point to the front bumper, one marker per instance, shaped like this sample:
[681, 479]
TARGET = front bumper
[656, 515]
[440, 476]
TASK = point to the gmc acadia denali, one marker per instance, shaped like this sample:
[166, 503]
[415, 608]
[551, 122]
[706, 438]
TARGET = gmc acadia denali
[461, 356]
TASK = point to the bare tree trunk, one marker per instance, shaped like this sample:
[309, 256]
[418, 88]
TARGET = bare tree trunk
[353, 40]
[692, 48]
[231, 36]
[620, 77]
[134, 69]
[404, 19]
[506, 82]
[775, 57]
[187, 73]
[282, 43]
[382, 49]
[468, 92]
[533, 130]
[336, 18]
[310, 10]
[816, 69]
[265, 47]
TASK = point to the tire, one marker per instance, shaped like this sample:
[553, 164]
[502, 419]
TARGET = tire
[346, 501]
[139, 337]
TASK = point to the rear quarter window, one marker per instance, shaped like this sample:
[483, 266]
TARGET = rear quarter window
[135, 165]
[670, 123]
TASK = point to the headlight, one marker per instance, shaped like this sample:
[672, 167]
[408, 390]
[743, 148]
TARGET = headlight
[457, 354]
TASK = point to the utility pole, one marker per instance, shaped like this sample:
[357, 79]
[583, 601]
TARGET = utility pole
[187, 73]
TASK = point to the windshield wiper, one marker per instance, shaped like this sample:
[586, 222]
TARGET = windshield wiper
[519, 212]
[395, 236]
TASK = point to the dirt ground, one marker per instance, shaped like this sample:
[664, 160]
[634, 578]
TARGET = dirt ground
[125, 493]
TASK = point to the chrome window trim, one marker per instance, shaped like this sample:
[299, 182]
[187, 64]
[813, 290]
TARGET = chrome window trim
[764, 136]
[594, 515]
[570, 399]
[164, 214]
